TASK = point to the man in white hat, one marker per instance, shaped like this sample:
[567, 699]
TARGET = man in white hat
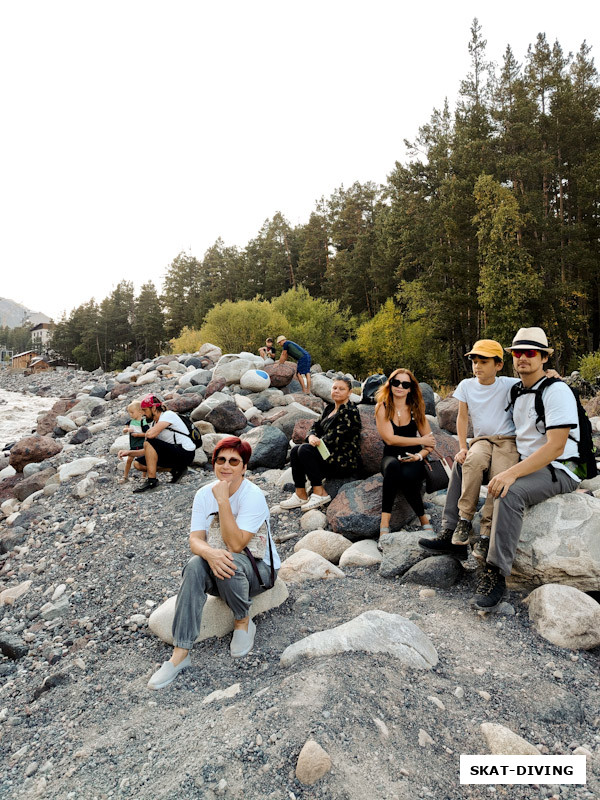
[548, 451]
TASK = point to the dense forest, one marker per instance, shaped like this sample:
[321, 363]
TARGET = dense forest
[493, 223]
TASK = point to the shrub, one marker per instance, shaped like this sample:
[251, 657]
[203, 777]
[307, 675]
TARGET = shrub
[589, 367]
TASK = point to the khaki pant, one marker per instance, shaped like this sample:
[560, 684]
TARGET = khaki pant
[487, 456]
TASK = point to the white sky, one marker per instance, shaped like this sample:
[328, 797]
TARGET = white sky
[134, 130]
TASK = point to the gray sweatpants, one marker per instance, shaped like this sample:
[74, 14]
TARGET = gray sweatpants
[198, 581]
[450, 514]
[508, 512]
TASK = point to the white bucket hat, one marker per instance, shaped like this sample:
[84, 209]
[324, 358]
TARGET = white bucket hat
[533, 338]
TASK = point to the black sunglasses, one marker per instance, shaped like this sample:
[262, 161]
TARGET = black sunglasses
[403, 384]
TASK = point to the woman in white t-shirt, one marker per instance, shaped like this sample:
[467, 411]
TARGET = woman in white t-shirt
[167, 446]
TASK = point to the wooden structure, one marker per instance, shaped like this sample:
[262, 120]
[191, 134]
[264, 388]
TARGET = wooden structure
[23, 360]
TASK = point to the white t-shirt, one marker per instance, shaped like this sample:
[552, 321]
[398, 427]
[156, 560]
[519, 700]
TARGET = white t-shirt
[487, 405]
[249, 508]
[176, 433]
[561, 412]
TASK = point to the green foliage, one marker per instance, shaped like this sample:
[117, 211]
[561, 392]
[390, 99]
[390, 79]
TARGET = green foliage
[16, 339]
[389, 341]
[122, 359]
[240, 326]
[589, 367]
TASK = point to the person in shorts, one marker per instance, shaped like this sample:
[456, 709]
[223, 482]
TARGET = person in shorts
[302, 356]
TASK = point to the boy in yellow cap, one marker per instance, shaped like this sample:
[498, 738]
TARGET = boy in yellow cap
[492, 450]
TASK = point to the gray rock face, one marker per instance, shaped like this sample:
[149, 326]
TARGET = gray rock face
[269, 447]
[440, 571]
[565, 616]
[34, 483]
[401, 551]
[371, 632]
[428, 398]
[207, 405]
[321, 386]
[80, 436]
[226, 418]
[85, 406]
[293, 414]
[504, 742]
[232, 371]
[356, 510]
[560, 543]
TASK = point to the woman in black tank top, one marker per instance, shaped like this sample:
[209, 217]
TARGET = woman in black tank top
[406, 433]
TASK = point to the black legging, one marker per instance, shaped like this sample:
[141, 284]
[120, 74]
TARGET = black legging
[406, 476]
[306, 463]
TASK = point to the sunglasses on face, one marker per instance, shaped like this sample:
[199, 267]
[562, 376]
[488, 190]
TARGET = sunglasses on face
[404, 384]
[233, 461]
[526, 353]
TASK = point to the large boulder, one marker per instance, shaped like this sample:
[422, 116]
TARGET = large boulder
[355, 512]
[122, 388]
[565, 616]
[280, 374]
[306, 565]
[227, 418]
[326, 543]
[301, 429]
[78, 467]
[428, 398]
[217, 617]
[34, 483]
[447, 411]
[592, 406]
[372, 632]
[440, 571]
[148, 378]
[559, 544]
[445, 444]
[47, 422]
[371, 443]
[269, 447]
[184, 403]
[207, 404]
[214, 386]
[361, 554]
[210, 351]
[33, 449]
[293, 413]
[232, 371]
[85, 406]
[309, 400]
[255, 380]
[401, 551]
[320, 385]
[8, 487]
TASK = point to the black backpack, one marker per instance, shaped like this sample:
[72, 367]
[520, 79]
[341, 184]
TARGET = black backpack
[193, 432]
[370, 387]
[587, 449]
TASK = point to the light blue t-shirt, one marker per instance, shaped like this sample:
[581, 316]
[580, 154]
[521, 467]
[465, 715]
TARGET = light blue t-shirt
[487, 405]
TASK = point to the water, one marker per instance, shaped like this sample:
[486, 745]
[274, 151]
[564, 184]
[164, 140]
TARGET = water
[18, 414]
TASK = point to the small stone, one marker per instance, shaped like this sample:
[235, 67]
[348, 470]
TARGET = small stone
[424, 738]
[557, 674]
[437, 702]
[259, 740]
[222, 694]
[382, 727]
[31, 769]
[426, 593]
[582, 751]
[313, 763]
[484, 695]
[459, 692]
[221, 787]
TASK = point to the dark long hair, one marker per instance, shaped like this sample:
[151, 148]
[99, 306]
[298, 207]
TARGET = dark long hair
[414, 398]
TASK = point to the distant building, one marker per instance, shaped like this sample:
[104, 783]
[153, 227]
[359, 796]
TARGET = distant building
[41, 335]
[24, 359]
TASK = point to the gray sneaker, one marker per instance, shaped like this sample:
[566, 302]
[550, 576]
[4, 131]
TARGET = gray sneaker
[242, 641]
[462, 532]
[167, 673]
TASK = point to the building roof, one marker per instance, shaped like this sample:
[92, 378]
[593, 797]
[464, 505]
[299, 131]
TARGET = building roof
[25, 353]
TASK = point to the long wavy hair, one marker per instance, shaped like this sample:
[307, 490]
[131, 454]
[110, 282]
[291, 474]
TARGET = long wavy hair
[414, 398]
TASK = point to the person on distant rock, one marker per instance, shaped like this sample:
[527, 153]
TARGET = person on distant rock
[331, 449]
[136, 428]
[407, 437]
[548, 449]
[167, 447]
[268, 351]
[302, 356]
[233, 557]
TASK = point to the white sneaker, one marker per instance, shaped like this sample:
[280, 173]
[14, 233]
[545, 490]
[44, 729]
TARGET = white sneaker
[293, 502]
[167, 673]
[316, 501]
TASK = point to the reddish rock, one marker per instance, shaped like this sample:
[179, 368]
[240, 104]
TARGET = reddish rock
[215, 386]
[48, 421]
[355, 511]
[34, 483]
[184, 402]
[280, 374]
[7, 487]
[309, 400]
[445, 444]
[33, 449]
[123, 388]
[371, 445]
[592, 406]
[301, 429]
[447, 411]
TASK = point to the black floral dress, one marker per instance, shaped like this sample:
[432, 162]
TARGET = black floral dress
[341, 434]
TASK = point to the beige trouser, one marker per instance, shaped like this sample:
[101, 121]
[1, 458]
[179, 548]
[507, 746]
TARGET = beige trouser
[491, 455]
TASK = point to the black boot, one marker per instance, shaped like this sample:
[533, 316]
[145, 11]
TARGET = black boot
[149, 483]
[442, 545]
[491, 589]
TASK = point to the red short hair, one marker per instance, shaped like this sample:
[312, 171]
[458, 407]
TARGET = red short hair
[233, 443]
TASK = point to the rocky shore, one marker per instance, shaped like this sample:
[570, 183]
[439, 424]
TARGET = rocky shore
[382, 706]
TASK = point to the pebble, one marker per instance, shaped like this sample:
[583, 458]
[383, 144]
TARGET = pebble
[437, 702]
[459, 692]
[31, 769]
[424, 738]
[426, 593]
[484, 695]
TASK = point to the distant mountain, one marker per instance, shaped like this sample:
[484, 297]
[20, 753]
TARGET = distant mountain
[13, 314]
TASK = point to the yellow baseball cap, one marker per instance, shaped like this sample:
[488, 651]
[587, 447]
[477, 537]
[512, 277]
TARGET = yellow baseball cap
[488, 348]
